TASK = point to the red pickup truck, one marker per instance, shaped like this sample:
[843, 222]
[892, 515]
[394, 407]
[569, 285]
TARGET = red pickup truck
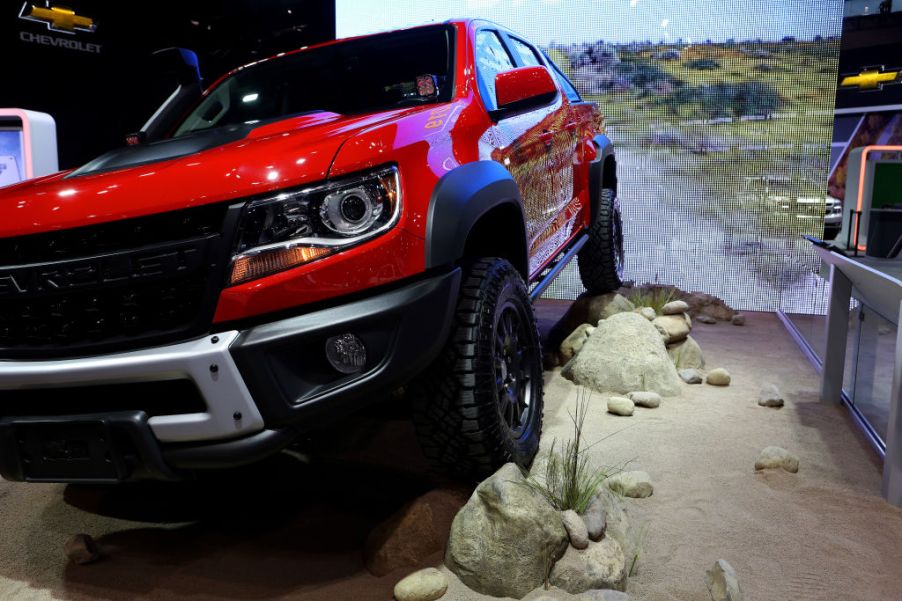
[309, 232]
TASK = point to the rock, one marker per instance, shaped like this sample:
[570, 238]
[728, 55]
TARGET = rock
[673, 328]
[691, 376]
[572, 343]
[576, 529]
[619, 405]
[705, 319]
[647, 312]
[718, 377]
[722, 582]
[770, 396]
[706, 304]
[602, 565]
[595, 519]
[738, 320]
[650, 400]
[636, 485]
[411, 534]
[625, 353]
[592, 309]
[502, 539]
[606, 305]
[605, 595]
[676, 307]
[618, 523]
[686, 354]
[425, 585]
[777, 458]
[82, 549]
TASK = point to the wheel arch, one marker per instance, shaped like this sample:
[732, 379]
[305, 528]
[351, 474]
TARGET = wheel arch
[602, 172]
[476, 211]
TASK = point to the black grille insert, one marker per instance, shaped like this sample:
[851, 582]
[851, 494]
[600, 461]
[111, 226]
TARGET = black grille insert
[113, 286]
[164, 397]
[105, 238]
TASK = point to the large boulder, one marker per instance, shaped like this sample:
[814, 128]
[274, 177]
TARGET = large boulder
[686, 354]
[624, 354]
[503, 539]
[413, 533]
[601, 565]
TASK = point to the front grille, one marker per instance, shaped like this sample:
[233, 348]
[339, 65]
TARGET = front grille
[113, 286]
[167, 397]
[113, 236]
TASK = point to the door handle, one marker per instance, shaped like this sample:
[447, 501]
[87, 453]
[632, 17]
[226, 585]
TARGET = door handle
[547, 137]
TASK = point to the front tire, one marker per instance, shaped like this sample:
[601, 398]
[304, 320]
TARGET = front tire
[480, 404]
[601, 258]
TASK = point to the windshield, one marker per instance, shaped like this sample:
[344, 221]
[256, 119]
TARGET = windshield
[365, 75]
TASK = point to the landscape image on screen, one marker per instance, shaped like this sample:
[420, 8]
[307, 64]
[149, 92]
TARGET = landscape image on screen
[722, 116]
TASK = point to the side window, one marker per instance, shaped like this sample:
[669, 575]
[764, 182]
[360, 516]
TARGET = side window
[569, 89]
[524, 51]
[491, 59]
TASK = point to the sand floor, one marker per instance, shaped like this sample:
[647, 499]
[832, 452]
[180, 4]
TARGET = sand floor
[293, 528]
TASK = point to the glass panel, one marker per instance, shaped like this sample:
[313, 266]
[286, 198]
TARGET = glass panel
[527, 55]
[854, 333]
[874, 369]
[491, 59]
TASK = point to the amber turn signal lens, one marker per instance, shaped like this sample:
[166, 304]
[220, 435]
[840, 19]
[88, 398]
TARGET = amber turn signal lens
[248, 267]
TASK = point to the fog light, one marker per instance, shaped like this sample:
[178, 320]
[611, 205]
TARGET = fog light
[346, 353]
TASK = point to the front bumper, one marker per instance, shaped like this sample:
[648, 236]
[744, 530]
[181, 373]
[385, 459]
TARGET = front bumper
[259, 387]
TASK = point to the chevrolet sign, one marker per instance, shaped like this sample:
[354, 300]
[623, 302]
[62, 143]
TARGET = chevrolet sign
[871, 78]
[57, 18]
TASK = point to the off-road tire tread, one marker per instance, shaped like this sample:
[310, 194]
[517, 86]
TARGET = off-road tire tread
[597, 267]
[455, 412]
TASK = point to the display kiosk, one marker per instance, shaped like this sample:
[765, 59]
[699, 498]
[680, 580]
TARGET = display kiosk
[27, 145]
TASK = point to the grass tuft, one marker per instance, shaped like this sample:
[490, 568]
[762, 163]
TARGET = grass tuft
[567, 480]
[655, 298]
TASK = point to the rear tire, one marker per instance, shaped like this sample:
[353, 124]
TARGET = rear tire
[480, 404]
[601, 258]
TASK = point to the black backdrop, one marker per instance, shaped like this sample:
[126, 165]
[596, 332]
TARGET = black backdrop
[98, 97]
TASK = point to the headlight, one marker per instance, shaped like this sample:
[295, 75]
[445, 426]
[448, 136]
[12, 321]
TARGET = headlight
[299, 226]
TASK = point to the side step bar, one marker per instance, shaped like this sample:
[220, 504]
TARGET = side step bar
[555, 267]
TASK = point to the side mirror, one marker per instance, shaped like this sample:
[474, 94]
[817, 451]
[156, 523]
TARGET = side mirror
[180, 62]
[522, 89]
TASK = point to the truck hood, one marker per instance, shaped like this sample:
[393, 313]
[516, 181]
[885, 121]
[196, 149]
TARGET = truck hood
[214, 166]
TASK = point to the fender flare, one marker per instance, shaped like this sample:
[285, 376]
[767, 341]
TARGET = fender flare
[598, 179]
[460, 198]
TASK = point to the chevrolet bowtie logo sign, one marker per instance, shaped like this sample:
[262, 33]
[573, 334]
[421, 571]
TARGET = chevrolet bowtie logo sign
[871, 78]
[57, 18]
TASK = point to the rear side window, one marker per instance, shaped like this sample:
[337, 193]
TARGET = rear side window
[569, 89]
[491, 59]
[524, 51]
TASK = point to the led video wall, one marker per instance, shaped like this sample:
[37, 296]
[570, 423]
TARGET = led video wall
[722, 114]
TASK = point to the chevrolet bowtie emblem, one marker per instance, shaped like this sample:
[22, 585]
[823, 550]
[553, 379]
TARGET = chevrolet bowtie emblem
[57, 18]
[871, 78]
